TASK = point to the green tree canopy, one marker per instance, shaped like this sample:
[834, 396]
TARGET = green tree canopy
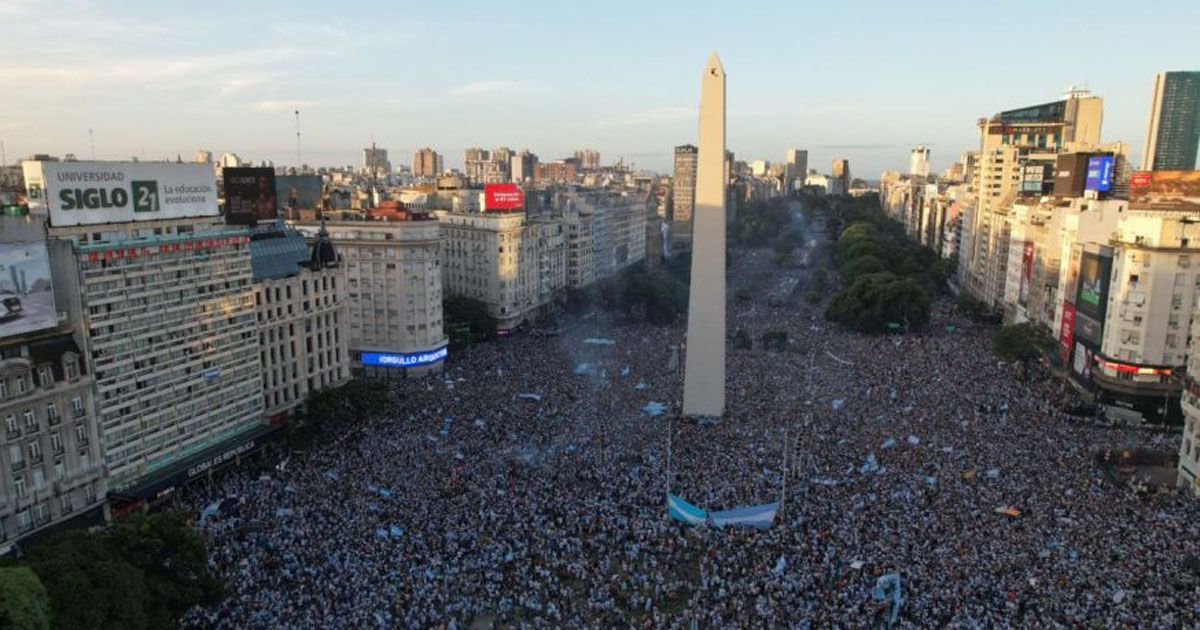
[1020, 343]
[878, 299]
[23, 600]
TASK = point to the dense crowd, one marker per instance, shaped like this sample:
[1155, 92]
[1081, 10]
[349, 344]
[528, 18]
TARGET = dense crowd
[917, 454]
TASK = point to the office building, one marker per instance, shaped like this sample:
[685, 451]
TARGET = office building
[523, 166]
[474, 163]
[841, 173]
[393, 292]
[564, 171]
[375, 161]
[427, 163]
[1189, 443]
[918, 162]
[683, 194]
[161, 291]
[300, 300]
[589, 159]
[605, 232]
[203, 157]
[1173, 136]
[509, 262]
[1018, 154]
[795, 168]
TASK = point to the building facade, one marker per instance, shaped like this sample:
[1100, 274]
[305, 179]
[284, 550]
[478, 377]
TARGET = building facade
[918, 161]
[393, 295]
[300, 300]
[427, 163]
[51, 468]
[1173, 136]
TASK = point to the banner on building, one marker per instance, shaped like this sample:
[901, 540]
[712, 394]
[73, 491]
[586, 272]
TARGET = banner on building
[1165, 190]
[89, 193]
[250, 195]
[503, 197]
[26, 293]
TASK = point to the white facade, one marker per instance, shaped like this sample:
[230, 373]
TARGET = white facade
[513, 265]
[393, 289]
[918, 162]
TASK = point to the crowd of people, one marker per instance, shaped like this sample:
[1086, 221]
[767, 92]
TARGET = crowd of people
[469, 504]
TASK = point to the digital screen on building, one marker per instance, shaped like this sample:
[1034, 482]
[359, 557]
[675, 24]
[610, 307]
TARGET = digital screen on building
[26, 294]
[402, 359]
[1099, 173]
[250, 195]
[503, 197]
[298, 192]
[1095, 272]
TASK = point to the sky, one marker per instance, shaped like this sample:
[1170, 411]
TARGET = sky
[860, 80]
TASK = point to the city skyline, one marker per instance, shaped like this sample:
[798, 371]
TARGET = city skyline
[153, 82]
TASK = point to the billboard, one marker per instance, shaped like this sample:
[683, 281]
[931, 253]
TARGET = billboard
[404, 359]
[250, 195]
[1095, 272]
[298, 192]
[89, 193]
[1099, 173]
[1066, 332]
[26, 294]
[503, 197]
[1027, 254]
[1165, 190]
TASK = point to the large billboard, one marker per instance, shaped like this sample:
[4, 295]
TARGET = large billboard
[250, 195]
[405, 359]
[89, 193]
[1027, 255]
[1099, 173]
[1095, 273]
[298, 192]
[1066, 332]
[1165, 190]
[503, 197]
[26, 294]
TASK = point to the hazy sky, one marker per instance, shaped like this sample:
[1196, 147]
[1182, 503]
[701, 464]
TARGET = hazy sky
[863, 80]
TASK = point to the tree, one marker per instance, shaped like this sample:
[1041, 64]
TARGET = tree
[878, 299]
[467, 320]
[23, 600]
[89, 584]
[861, 266]
[1021, 343]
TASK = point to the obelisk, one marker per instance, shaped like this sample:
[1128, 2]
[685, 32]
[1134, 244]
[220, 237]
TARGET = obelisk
[704, 369]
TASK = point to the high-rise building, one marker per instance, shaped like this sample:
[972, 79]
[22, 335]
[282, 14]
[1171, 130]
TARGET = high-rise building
[841, 173]
[474, 164]
[796, 167]
[393, 293]
[1173, 136]
[427, 163]
[300, 299]
[562, 171]
[589, 159]
[918, 162]
[203, 156]
[1018, 152]
[523, 166]
[375, 161]
[684, 193]
[162, 290]
[498, 170]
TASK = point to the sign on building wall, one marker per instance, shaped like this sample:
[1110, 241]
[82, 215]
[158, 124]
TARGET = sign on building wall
[250, 195]
[88, 193]
[26, 293]
[1099, 173]
[404, 360]
[1165, 190]
[503, 197]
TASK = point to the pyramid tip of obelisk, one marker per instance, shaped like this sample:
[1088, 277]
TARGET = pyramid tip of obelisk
[714, 66]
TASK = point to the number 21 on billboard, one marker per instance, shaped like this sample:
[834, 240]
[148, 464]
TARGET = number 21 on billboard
[145, 196]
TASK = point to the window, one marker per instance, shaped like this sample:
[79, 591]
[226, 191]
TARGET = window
[3, 388]
[65, 503]
[85, 462]
[30, 419]
[45, 376]
[80, 434]
[52, 412]
[60, 470]
[35, 451]
[56, 442]
[24, 522]
[77, 405]
[10, 421]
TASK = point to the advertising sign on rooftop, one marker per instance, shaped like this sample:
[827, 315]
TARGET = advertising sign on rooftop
[26, 294]
[503, 197]
[1099, 173]
[1165, 190]
[249, 195]
[88, 193]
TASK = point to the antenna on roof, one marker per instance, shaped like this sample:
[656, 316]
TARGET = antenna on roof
[298, 160]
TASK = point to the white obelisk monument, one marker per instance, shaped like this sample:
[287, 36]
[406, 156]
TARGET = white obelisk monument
[704, 370]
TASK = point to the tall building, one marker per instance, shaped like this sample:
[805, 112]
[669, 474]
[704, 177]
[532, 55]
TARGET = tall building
[498, 169]
[1173, 136]
[203, 156]
[795, 168]
[427, 163]
[300, 299]
[564, 171]
[375, 161]
[1018, 153]
[393, 293]
[841, 173]
[162, 292]
[918, 161]
[474, 164]
[512, 264]
[589, 159]
[684, 193]
[523, 166]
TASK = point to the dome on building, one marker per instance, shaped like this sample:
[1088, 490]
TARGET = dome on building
[323, 252]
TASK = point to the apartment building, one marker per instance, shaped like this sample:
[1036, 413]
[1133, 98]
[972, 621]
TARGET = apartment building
[513, 264]
[301, 305]
[393, 294]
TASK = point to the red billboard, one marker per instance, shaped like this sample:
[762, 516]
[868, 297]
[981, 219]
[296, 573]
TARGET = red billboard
[1066, 332]
[1140, 179]
[503, 197]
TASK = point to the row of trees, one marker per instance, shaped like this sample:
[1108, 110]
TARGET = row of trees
[765, 224]
[887, 279]
[328, 411]
[141, 572]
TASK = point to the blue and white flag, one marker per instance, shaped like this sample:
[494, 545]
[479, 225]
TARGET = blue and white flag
[760, 516]
[210, 511]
